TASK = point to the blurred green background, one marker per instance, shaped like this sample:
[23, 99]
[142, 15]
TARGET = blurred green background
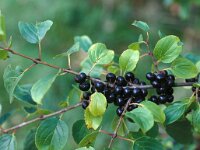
[106, 21]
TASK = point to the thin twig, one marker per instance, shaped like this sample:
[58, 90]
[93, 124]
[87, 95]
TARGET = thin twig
[119, 137]
[119, 123]
[30, 67]
[42, 117]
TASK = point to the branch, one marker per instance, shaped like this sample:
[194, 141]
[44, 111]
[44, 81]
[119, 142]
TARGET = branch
[37, 61]
[42, 117]
[114, 135]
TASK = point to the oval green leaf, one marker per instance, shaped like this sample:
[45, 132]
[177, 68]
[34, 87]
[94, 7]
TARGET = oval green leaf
[8, 142]
[84, 41]
[128, 60]
[142, 25]
[89, 139]
[29, 143]
[34, 33]
[99, 54]
[41, 87]
[92, 121]
[147, 143]
[51, 134]
[196, 120]
[143, 117]
[158, 113]
[183, 68]
[167, 49]
[2, 28]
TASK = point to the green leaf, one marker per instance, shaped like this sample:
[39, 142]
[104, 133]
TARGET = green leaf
[167, 49]
[113, 69]
[8, 142]
[79, 130]
[175, 111]
[5, 116]
[157, 112]
[181, 131]
[92, 121]
[51, 134]
[89, 139]
[73, 49]
[128, 60]
[30, 110]
[198, 66]
[3, 54]
[41, 87]
[154, 131]
[123, 130]
[11, 78]
[23, 93]
[196, 120]
[34, 33]
[2, 28]
[98, 104]
[147, 143]
[74, 96]
[84, 41]
[134, 46]
[142, 25]
[87, 64]
[183, 68]
[143, 117]
[85, 148]
[29, 143]
[99, 54]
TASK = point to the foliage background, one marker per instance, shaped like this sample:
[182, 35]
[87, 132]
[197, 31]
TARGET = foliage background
[107, 21]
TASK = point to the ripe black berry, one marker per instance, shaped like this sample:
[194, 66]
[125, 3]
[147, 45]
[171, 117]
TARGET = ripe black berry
[169, 91]
[144, 92]
[161, 90]
[85, 86]
[154, 99]
[119, 101]
[171, 77]
[129, 76]
[162, 99]
[127, 92]
[155, 84]
[119, 111]
[85, 104]
[110, 98]
[170, 98]
[110, 77]
[118, 90]
[150, 76]
[170, 82]
[131, 107]
[120, 81]
[139, 99]
[86, 95]
[137, 92]
[80, 78]
[99, 86]
[136, 81]
[160, 76]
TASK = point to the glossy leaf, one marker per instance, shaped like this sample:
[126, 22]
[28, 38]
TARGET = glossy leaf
[3, 54]
[85, 148]
[51, 134]
[99, 54]
[167, 49]
[87, 65]
[8, 142]
[142, 25]
[128, 60]
[196, 120]
[84, 41]
[79, 130]
[181, 131]
[29, 143]
[143, 117]
[40, 88]
[2, 28]
[183, 68]
[157, 112]
[98, 104]
[134, 46]
[92, 121]
[147, 143]
[88, 139]
[23, 93]
[175, 111]
[34, 33]
[11, 78]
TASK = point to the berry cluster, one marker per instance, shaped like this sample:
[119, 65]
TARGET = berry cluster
[117, 89]
[163, 84]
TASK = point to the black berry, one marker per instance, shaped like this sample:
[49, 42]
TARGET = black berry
[80, 78]
[119, 101]
[110, 98]
[155, 84]
[99, 86]
[119, 111]
[154, 99]
[85, 104]
[162, 99]
[120, 81]
[131, 107]
[136, 81]
[137, 92]
[85, 86]
[150, 76]
[110, 77]
[129, 76]
[160, 76]
[127, 92]
[86, 95]
[118, 90]
[170, 98]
